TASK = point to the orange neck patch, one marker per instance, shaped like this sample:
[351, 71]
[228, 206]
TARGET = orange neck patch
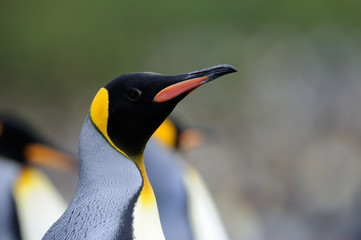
[146, 196]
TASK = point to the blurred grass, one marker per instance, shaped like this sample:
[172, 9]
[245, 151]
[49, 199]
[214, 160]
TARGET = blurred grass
[52, 43]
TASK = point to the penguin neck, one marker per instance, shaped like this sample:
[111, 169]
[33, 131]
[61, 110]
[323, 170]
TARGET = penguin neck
[110, 177]
[146, 221]
[108, 189]
[146, 196]
[90, 167]
[101, 163]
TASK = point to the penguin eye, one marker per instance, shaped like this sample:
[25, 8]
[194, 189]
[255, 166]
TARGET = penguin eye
[133, 94]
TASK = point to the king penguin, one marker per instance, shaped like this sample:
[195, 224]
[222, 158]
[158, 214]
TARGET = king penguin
[114, 198]
[186, 208]
[29, 203]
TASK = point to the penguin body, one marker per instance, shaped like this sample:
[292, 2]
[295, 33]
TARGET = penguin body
[165, 171]
[114, 198]
[9, 225]
[38, 203]
[203, 215]
[186, 208]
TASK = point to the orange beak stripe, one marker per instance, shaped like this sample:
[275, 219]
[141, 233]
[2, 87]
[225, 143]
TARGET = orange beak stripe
[177, 89]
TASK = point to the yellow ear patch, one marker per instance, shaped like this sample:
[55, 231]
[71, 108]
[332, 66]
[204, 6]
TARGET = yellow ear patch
[99, 110]
[167, 133]
[99, 114]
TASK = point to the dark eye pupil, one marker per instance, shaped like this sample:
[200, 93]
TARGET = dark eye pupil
[133, 93]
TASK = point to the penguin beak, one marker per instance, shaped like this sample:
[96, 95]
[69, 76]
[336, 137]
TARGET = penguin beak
[192, 81]
[43, 155]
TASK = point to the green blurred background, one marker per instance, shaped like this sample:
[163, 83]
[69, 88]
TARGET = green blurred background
[287, 163]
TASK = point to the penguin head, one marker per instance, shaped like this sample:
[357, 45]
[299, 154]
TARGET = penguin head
[176, 135]
[21, 143]
[130, 108]
[14, 137]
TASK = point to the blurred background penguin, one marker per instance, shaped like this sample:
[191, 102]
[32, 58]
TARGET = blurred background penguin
[29, 203]
[185, 207]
